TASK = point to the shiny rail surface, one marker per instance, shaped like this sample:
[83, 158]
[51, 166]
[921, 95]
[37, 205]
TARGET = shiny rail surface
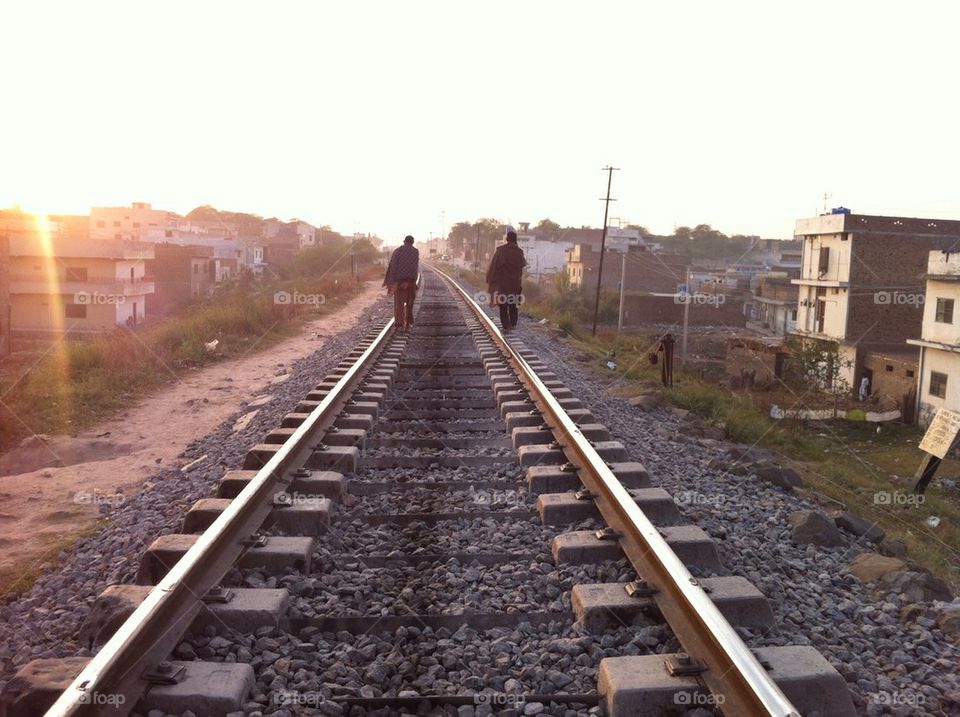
[149, 635]
[732, 670]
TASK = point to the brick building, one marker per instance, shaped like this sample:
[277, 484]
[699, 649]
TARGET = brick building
[645, 271]
[862, 281]
[643, 310]
[180, 274]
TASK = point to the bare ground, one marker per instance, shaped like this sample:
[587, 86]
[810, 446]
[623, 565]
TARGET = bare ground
[50, 493]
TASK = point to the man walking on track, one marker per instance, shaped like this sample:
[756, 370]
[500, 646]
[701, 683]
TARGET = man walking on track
[504, 280]
[401, 281]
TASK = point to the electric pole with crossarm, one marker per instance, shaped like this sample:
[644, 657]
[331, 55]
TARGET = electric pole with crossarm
[603, 244]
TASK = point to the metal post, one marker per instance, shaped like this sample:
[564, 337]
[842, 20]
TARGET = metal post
[476, 253]
[603, 244]
[686, 319]
[623, 288]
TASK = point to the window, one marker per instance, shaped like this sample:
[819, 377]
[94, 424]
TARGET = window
[116, 224]
[944, 311]
[823, 260]
[910, 373]
[136, 225]
[168, 233]
[76, 273]
[75, 311]
[938, 384]
[888, 367]
[101, 224]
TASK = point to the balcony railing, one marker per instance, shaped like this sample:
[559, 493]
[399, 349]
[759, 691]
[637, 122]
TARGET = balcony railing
[112, 287]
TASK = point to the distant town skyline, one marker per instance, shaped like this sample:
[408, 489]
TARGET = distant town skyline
[391, 119]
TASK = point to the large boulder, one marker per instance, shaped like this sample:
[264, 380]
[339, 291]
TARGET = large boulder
[868, 567]
[948, 620]
[786, 478]
[894, 548]
[645, 402]
[812, 526]
[860, 526]
[917, 586]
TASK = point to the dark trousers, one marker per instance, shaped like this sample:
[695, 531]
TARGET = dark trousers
[403, 298]
[508, 309]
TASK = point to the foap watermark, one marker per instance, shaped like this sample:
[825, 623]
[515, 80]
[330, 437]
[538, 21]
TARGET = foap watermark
[483, 297]
[697, 699]
[302, 699]
[908, 699]
[693, 498]
[698, 298]
[898, 298]
[298, 499]
[898, 497]
[507, 498]
[110, 699]
[298, 298]
[97, 298]
[499, 699]
[82, 497]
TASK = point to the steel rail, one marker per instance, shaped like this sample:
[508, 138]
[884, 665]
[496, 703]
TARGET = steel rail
[731, 669]
[114, 679]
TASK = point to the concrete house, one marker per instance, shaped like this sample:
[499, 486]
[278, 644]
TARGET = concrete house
[181, 273]
[938, 381]
[71, 285]
[861, 282]
[127, 223]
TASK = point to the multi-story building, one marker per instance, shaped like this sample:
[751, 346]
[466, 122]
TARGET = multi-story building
[181, 274]
[772, 305]
[253, 255]
[861, 282]
[938, 382]
[77, 285]
[128, 223]
[645, 271]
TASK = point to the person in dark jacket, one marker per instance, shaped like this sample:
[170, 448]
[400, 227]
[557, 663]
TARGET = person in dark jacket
[504, 280]
[401, 281]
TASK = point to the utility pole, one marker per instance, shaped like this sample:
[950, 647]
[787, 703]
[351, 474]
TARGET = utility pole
[476, 254]
[623, 288]
[603, 243]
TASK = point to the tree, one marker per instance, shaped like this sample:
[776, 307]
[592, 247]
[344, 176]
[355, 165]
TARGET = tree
[460, 236]
[548, 228]
[821, 363]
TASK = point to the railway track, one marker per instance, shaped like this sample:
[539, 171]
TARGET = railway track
[440, 527]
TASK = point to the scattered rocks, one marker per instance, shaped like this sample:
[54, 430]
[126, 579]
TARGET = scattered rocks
[812, 526]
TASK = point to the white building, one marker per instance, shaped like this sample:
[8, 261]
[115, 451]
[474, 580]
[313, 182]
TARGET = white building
[127, 223]
[939, 368]
[544, 256]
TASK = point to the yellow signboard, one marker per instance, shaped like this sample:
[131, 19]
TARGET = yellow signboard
[942, 433]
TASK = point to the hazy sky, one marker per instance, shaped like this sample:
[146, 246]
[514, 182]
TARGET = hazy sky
[378, 116]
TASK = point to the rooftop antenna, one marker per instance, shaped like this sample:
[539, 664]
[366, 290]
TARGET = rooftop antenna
[826, 198]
